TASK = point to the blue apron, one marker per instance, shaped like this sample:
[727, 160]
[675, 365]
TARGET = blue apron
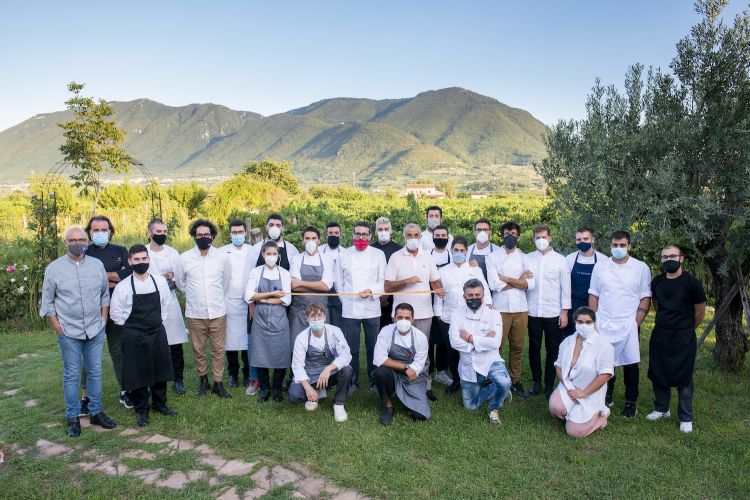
[580, 280]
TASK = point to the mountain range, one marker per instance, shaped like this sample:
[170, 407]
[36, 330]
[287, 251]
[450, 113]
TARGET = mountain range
[451, 133]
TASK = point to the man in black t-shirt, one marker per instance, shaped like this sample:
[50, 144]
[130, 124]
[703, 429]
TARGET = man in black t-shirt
[385, 244]
[680, 303]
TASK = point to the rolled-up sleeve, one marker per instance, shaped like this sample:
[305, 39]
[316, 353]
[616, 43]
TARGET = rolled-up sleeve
[47, 306]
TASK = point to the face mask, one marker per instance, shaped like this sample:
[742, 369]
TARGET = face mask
[316, 325]
[583, 246]
[271, 259]
[440, 242]
[433, 223]
[670, 266]
[159, 239]
[100, 239]
[140, 268]
[203, 243]
[384, 236]
[274, 233]
[77, 249]
[238, 240]
[585, 331]
[619, 253]
[403, 325]
[474, 304]
[412, 244]
[483, 237]
[541, 244]
[458, 257]
[361, 244]
[310, 247]
[510, 241]
[333, 241]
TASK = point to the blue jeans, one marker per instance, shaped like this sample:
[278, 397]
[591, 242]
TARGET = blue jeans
[86, 354]
[474, 394]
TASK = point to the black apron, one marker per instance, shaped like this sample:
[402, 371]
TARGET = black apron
[146, 359]
[283, 258]
[481, 260]
[580, 280]
[432, 252]
[671, 358]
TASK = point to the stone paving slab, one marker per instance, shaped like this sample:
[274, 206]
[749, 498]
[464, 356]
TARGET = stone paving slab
[261, 478]
[140, 454]
[129, 432]
[30, 403]
[236, 468]
[49, 449]
[281, 476]
[11, 392]
[158, 439]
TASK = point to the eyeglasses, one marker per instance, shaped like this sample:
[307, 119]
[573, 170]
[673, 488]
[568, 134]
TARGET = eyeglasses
[361, 236]
[84, 240]
[203, 235]
[665, 258]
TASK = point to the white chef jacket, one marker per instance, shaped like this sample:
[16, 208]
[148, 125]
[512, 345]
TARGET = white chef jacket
[571, 258]
[552, 291]
[439, 258]
[121, 304]
[428, 244]
[295, 266]
[241, 267]
[336, 342]
[383, 345]
[512, 265]
[271, 274]
[596, 358]
[453, 277]
[403, 265]
[359, 271]
[476, 357]
[205, 282]
[333, 254]
[291, 251]
[166, 261]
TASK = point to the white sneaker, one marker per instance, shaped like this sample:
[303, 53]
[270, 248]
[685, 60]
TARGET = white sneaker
[311, 406]
[443, 378]
[686, 427]
[656, 415]
[494, 416]
[339, 413]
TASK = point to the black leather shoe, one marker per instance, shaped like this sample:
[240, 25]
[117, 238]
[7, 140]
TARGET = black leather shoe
[165, 410]
[246, 380]
[203, 387]
[179, 387]
[536, 388]
[142, 419]
[519, 391]
[219, 390]
[386, 416]
[277, 395]
[74, 427]
[84, 411]
[548, 390]
[431, 396]
[263, 395]
[629, 411]
[609, 401]
[233, 381]
[103, 421]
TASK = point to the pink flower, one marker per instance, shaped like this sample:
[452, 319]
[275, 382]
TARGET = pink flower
[10, 269]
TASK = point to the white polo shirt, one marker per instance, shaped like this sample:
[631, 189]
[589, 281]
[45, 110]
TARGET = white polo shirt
[403, 265]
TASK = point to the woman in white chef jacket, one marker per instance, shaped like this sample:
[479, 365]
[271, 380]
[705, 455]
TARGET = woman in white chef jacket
[585, 363]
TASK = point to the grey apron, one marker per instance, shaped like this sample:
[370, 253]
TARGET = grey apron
[297, 314]
[269, 336]
[413, 395]
[315, 359]
[481, 260]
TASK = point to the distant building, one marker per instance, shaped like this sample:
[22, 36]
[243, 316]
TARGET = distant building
[478, 196]
[424, 191]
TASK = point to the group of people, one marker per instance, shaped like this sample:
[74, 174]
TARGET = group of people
[438, 305]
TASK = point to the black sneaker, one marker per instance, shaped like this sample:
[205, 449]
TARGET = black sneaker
[431, 396]
[246, 380]
[263, 395]
[629, 411]
[277, 395]
[142, 419]
[609, 401]
[84, 411]
[386, 416]
[165, 410]
[219, 390]
[74, 427]
[179, 387]
[103, 421]
[125, 400]
[536, 388]
[233, 381]
[519, 391]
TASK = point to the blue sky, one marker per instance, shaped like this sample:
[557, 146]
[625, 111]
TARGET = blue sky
[270, 57]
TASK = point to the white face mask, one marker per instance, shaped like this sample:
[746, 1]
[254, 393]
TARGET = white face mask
[432, 223]
[271, 259]
[585, 331]
[310, 247]
[482, 237]
[274, 232]
[384, 236]
[412, 244]
[541, 244]
[403, 325]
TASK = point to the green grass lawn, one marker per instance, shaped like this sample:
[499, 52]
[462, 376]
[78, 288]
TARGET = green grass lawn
[457, 454]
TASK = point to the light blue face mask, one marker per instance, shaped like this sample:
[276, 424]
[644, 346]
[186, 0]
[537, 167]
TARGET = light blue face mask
[100, 239]
[458, 257]
[238, 240]
[619, 253]
[316, 324]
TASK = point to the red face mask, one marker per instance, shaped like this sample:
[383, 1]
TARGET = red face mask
[361, 244]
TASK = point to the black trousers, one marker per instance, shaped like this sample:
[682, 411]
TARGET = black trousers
[385, 382]
[437, 351]
[342, 379]
[178, 361]
[543, 328]
[386, 313]
[264, 377]
[662, 395]
[139, 397]
[452, 355]
[233, 363]
[630, 375]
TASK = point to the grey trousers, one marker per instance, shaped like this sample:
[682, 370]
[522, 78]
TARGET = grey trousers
[425, 326]
[662, 395]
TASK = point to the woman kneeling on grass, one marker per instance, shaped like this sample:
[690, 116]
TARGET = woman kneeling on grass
[584, 365]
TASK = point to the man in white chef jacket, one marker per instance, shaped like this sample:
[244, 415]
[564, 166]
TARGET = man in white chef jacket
[620, 293]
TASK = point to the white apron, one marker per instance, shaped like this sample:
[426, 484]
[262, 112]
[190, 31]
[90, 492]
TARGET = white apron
[236, 324]
[174, 324]
[615, 317]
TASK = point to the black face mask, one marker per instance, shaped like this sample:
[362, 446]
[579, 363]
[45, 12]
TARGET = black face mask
[510, 241]
[440, 242]
[159, 239]
[140, 268]
[670, 266]
[334, 241]
[203, 243]
[474, 304]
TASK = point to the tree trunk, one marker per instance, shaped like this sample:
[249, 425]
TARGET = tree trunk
[731, 340]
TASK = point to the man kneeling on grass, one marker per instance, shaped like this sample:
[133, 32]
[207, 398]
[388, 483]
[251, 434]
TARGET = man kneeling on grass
[321, 360]
[475, 332]
[400, 355]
